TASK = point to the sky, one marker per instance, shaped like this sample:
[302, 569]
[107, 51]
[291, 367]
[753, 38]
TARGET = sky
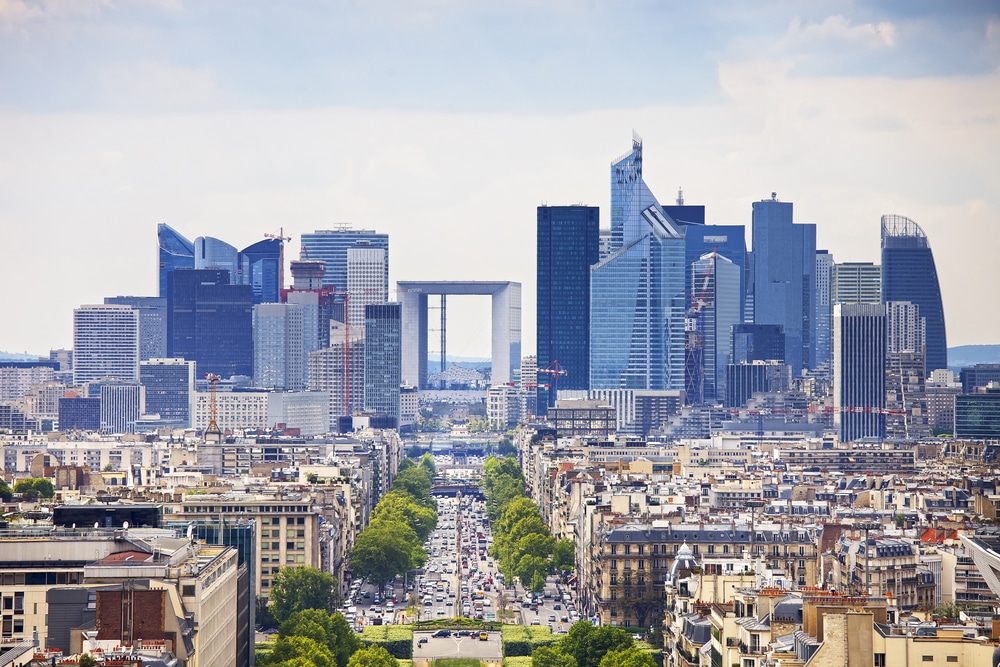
[445, 123]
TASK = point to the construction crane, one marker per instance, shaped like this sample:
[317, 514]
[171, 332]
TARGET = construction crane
[556, 372]
[280, 236]
[212, 433]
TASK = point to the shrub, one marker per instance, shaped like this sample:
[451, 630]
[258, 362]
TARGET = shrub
[396, 639]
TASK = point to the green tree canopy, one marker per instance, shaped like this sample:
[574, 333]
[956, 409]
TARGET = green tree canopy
[5, 492]
[402, 506]
[427, 463]
[329, 629]
[628, 657]
[293, 650]
[374, 656]
[414, 481]
[589, 645]
[546, 656]
[39, 484]
[385, 548]
[297, 588]
[564, 555]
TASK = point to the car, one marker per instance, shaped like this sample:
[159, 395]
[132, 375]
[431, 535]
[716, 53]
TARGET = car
[465, 633]
[483, 635]
[440, 611]
[552, 618]
[422, 641]
[535, 621]
[564, 619]
[557, 607]
[442, 633]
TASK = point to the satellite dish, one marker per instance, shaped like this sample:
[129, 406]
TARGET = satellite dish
[125, 525]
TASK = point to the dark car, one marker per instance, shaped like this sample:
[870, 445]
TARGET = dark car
[442, 633]
[423, 640]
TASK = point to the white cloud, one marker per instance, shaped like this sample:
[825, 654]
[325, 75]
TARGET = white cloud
[840, 28]
[159, 86]
[19, 12]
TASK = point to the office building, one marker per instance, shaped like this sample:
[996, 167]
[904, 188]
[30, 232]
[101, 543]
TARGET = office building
[906, 401]
[330, 246]
[261, 267]
[339, 370]
[784, 267]
[169, 385]
[859, 362]
[308, 291]
[383, 363]
[637, 293]
[716, 285]
[909, 274]
[746, 378]
[366, 285]
[175, 252]
[941, 388]
[979, 375]
[278, 359]
[758, 342]
[210, 322]
[105, 343]
[504, 407]
[121, 407]
[857, 282]
[152, 323]
[568, 244]
[824, 308]
[79, 413]
[213, 253]
[977, 416]
[729, 241]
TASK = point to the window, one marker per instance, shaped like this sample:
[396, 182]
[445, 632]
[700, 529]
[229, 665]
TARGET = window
[950, 658]
[187, 591]
[879, 660]
[928, 658]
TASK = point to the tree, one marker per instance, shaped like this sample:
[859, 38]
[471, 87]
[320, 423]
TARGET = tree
[330, 630]
[312, 478]
[414, 481]
[385, 548]
[288, 650]
[5, 492]
[408, 462]
[402, 506]
[629, 657]
[374, 656]
[296, 588]
[86, 660]
[589, 645]
[564, 555]
[427, 463]
[506, 447]
[40, 484]
[545, 656]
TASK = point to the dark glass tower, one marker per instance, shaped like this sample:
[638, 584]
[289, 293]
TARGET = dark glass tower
[784, 278]
[260, 267]
[383, 360]
[331, 246]
[568, 244]
[176, 252]
[210, 322]
[909, 274]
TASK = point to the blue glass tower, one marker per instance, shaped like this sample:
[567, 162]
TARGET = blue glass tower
[260, 267]
[210, 322]
[568, 245]
[212, 253]
[330, 246]
[383, 358]
[784, 278]
[638, 291]
[176, 252]
[909, 274]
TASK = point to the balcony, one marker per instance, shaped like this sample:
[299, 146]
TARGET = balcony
[750, 649]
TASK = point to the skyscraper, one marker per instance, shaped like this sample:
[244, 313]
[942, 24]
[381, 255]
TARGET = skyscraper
[383, 360]
[824, 308]
[857, 282]
[175, 251]
[278, 360]
[906, 373]
[784, 267]
[213, 253]
[329, 365]
[152, 323]
[121, 406]
[568, 244]
[859, 361]
[330, 246]
[366, 271]
[637, 292]
[210, 322]
[169, 385]
[715, 288]
[909, 274]
[260, 268]
[105, 343]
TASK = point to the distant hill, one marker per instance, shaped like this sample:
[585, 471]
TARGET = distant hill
[20, 356]
[969, 355]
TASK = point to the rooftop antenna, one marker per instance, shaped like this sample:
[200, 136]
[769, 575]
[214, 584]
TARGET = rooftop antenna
[680, 196]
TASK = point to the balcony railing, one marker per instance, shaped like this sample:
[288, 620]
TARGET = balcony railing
[750, 649]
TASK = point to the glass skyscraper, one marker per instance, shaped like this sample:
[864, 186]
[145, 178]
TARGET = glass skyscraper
[909, 274]
[330, 246]
[568, 244]
[784, 271]
[638, 291]
[209, 322]
[859, 364]
[176, 252]
[716, 284]
[212, 253]
[260, 267]
[169, 387]
[383, 360]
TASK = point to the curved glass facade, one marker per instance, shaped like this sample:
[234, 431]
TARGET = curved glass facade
[212, 253]
[909, 274]
[260, 267]
[176, 252]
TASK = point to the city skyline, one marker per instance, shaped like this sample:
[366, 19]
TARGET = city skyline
[839, 108]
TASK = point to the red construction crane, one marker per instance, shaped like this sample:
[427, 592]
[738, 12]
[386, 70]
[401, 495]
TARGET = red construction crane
[213, 424]
[556, 372]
